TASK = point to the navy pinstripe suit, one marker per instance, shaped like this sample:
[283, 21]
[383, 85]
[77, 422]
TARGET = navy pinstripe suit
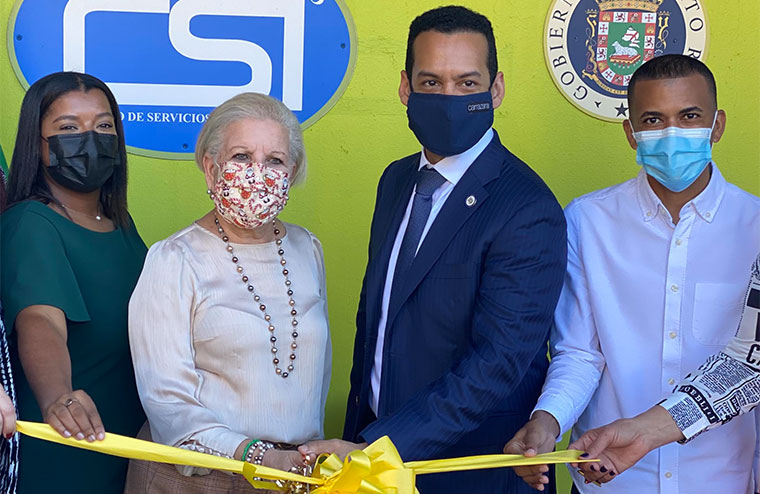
[465, 344]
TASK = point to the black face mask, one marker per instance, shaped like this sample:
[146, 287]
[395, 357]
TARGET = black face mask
[83, 162]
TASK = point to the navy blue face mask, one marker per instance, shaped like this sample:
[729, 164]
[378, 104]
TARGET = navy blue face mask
[447, 125]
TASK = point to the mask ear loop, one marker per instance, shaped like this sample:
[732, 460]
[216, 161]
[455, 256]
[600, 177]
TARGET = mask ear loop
[712, 127]
[211, 192]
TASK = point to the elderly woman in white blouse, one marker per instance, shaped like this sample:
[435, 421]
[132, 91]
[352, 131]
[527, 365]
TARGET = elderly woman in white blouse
[228, 322]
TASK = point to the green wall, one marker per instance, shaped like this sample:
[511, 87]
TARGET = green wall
[350, 146]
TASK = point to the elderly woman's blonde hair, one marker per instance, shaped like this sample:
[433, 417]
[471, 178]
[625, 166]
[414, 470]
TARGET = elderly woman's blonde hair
[252, 106]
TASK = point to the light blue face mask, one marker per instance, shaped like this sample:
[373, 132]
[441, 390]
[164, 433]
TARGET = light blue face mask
[675, 156]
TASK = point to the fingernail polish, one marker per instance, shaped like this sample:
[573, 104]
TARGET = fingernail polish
[584, 455]
[603, 469]
[101, 436]
[8, 436]
[66, 434]
[91, 438]
[80, 436]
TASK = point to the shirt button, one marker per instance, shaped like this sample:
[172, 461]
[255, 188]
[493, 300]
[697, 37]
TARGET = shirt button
[707, 215]
[668, 475]
[671, 381]
[679, 241]
[672, 335]
[649, 214]
[674, 288]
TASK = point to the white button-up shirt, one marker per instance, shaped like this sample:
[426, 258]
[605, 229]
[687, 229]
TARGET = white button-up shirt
[644, 303]
[452, 168]
[728, 383]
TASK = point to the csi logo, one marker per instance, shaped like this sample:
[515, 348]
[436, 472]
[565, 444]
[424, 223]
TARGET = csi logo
[170, 62]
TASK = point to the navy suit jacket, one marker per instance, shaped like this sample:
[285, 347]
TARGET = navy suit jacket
[465, 344]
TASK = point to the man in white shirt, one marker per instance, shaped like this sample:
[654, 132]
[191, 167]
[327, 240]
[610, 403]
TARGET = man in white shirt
[725, 386]
[655, 284]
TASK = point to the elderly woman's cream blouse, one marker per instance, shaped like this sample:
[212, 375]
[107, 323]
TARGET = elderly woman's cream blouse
[201, 348]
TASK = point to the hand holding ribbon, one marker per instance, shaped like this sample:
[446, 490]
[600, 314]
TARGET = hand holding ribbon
[378, 469]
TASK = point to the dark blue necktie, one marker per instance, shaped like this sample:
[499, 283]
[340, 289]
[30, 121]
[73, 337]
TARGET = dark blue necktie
[428, 180]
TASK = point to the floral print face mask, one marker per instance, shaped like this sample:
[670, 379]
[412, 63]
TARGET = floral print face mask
[250, 194]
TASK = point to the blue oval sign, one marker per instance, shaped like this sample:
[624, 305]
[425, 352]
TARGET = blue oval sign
[170, 62]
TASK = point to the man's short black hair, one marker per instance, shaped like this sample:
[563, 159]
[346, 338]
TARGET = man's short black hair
[672, 67]
[449, 20]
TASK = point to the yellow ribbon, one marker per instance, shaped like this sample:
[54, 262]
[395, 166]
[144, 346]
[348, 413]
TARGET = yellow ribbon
[128, 447]
[377, 469]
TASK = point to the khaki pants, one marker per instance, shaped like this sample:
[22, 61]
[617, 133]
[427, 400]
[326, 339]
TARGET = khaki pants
[145, 477]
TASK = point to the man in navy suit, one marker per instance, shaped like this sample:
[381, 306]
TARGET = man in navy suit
[466, 259]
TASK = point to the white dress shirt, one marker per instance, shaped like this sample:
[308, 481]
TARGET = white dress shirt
[645, 302]
[452, 168]
[201, 349]
[728, 383]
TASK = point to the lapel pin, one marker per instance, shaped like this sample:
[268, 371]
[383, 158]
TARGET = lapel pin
[470, 201]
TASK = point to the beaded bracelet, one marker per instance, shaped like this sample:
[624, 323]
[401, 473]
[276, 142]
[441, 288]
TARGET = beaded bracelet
[248, 446]
[262, 447]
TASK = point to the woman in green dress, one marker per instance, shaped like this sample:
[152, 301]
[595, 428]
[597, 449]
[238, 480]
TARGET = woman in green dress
[70, 259]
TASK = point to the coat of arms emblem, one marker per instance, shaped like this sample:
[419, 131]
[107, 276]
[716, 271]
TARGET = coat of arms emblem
[593, 47]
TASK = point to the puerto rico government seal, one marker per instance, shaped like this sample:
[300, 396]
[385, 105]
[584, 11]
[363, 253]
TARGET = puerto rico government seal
[592, 47]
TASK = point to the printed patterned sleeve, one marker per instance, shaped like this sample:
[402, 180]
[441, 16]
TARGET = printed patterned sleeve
[728, 383]
[8, 447]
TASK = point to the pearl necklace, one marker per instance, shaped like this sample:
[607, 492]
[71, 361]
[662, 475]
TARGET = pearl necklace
[262, 307]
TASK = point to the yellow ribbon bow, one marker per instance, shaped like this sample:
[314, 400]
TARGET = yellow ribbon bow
[377, 469]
